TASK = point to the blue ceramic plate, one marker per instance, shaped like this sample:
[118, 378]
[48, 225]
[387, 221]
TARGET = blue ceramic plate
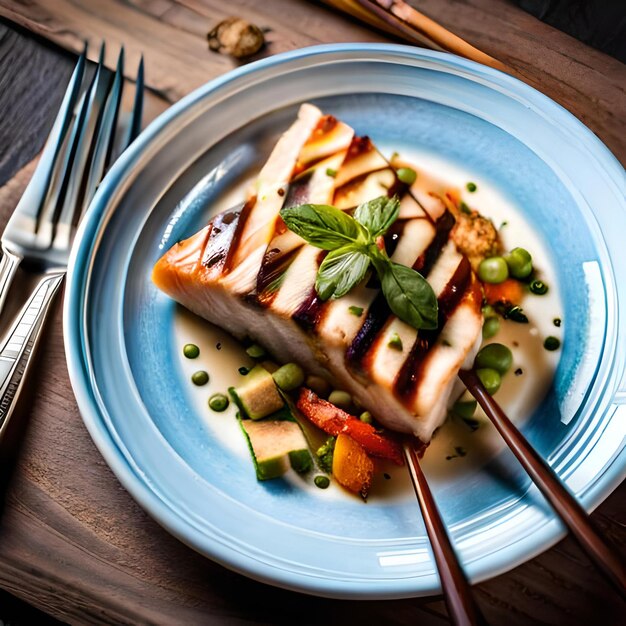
[134, 394]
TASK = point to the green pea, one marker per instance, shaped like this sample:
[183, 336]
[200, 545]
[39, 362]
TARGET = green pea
[491, 327]
[289, 376]
[464, 409]
[191, 350]
[341, 399]
[490, 379]
[321, 481]
[551, 343]
[395, 342]
[493, 270]
[520, 263]
[255, 351]
[218, 402]
[471, 187]
[488, 311]
[366, 417]
[406, 175]
[538, 287]
[200, 378]
[494, 356]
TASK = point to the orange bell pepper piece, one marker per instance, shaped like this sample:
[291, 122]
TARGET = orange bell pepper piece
[352, 468]
[334, 421]
[509, 291]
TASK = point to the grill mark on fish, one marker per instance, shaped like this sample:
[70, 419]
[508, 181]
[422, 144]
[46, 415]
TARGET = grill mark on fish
[427, 260]
[299, 191]
[274, 263]
[375, 319]
[311, 311]
[231, 249]
[393, 235]
[221, 238]
[272, 271]
[412, 370]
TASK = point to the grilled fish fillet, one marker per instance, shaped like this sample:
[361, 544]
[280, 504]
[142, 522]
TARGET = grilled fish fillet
[247, 273]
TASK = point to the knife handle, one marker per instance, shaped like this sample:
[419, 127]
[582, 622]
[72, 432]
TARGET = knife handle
[18, 345]
[8, 266]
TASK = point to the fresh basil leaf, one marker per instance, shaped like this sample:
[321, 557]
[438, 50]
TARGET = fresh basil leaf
[378, 215]
[409, 296]
[323, 226]
[341, 270]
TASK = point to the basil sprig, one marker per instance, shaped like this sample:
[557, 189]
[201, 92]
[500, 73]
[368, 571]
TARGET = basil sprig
[342, 269]
[353, 249]
[323, 226]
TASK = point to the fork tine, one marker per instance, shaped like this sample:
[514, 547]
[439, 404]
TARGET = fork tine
[111, 148]
[42, 184]
[50, 209]
[106, 133]
[82, 152]
[135, 124]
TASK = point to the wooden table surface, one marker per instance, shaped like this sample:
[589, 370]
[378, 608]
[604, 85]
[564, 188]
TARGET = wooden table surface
[72, 541]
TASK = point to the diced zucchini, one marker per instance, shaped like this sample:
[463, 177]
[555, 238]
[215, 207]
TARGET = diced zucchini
[275, 445]
[257, 396]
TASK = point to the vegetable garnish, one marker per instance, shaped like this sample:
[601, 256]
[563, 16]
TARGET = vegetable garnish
[191, 350]
[514, 313]
[520, 263]
[395, 342]
[551, 343]
[493, 270]
[335, 421]
[322, 481]
[255, 351]
[353, 249]
[406, 175]
[218, 402]
[538, 287]
[495, 356]
[200, 378]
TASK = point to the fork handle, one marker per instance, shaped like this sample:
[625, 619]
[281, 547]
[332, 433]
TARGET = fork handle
[8, 266]
[19, 344]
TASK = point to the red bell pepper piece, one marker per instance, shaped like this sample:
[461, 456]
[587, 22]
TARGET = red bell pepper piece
[334, 421]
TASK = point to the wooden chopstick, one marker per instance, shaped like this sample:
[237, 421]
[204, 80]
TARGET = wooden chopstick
[401, 19]
[457, 592]
[602, 553]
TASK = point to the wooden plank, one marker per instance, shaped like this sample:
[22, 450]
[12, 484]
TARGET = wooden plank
[27, 119]
[172, 40]
[171, 33]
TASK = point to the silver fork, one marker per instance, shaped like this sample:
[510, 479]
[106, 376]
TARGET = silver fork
[40, 232]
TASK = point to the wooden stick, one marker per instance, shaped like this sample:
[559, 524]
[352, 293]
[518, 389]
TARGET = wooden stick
[401, 19]
[602, 553]
[457, 592]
